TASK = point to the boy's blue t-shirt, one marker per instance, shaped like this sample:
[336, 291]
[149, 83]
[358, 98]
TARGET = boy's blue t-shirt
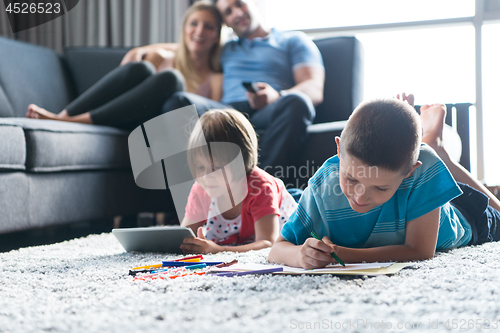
[323, 208]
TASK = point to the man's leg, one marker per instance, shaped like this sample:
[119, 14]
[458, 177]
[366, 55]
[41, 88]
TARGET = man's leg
[432, 125]
[285, 123]
[182, 99]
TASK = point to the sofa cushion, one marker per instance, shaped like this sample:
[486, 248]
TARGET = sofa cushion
[12, 147]
[31, 74]
[62, 146]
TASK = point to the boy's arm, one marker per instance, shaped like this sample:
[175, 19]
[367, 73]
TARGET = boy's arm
[421, 238]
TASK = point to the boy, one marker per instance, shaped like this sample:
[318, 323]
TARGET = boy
[386, 196]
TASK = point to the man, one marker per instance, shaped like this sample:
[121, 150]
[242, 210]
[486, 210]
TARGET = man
[286, 67]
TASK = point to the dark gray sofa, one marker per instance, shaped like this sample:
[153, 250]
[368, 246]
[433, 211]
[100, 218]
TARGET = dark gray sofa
[54, 173]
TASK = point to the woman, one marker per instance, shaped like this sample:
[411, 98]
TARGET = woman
[135, 91]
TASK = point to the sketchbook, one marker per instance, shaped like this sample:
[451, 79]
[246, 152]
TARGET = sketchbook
[370, 269]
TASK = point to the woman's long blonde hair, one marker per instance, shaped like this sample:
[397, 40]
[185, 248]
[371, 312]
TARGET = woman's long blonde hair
[183, 61]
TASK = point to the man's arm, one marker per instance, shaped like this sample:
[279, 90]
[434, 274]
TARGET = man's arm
[141, 52]
[309, 80]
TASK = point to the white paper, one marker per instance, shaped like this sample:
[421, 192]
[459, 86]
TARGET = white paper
[240, 267]
[338, 267]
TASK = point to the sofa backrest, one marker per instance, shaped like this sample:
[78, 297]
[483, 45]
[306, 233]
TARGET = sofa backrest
[343, 91]
[87, 65]
[31, 74]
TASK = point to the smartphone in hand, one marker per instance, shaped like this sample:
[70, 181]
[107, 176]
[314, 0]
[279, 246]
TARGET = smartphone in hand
[250, 86]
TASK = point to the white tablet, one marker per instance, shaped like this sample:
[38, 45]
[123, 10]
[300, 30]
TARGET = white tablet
[153, 239]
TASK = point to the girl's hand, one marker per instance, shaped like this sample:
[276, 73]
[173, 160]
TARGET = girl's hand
[315, 253]
[200, 244]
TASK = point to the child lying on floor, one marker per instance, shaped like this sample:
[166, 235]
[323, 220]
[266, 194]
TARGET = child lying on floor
[386, 196]
[221, 222]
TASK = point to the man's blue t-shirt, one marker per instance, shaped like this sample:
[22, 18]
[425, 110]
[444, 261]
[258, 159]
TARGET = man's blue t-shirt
[323, 208]
[271, 59]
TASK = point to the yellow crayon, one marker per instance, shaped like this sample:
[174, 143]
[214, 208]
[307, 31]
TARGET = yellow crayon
[190, 260]
[149, 266]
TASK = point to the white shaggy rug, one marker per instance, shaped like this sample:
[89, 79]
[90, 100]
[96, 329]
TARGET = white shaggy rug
[83, 286]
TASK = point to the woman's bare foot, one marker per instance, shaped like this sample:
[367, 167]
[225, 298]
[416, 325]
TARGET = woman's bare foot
[36, 112]
[432, 117]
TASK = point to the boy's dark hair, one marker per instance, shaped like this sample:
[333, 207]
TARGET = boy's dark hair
[385, 133]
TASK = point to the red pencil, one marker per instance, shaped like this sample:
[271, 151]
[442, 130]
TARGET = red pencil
[187, 258]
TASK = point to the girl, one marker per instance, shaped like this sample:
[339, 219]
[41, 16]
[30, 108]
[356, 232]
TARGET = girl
[134, 92]
[218, 218]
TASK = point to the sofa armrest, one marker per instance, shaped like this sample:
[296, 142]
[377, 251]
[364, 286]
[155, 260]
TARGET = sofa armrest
[319, 146]
[334, 126]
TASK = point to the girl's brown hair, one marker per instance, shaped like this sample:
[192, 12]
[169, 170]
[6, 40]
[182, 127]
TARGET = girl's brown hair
[226, 125]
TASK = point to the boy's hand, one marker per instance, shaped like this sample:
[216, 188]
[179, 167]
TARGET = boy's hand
[200, 244]
[315, 253]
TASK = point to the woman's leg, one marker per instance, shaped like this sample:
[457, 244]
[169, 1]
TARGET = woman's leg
[432, 124]
[115, 83]
[140, 103]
